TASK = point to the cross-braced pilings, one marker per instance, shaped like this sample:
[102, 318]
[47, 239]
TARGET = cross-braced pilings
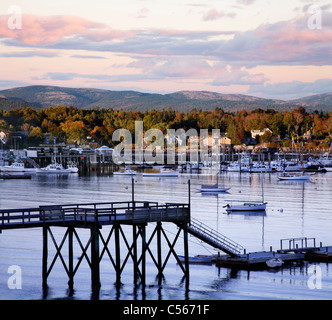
[117, 244]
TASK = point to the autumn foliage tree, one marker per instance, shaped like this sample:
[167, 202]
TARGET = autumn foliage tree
[75, 131]
[74, 125]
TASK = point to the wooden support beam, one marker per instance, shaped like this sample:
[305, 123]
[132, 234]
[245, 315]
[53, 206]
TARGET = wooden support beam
[58, 252]
[45, 256]
[186, 253]
[117, 254]
[135, 263]
[143, 267]
[71, 258]
[84, 250]
[160, 273]
[95, 272]
[105, 248]
[171, 249]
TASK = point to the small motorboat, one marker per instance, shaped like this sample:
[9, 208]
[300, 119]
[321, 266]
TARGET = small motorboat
[162, 173]
[72, 167]
[197, 259]
[274, 263]
[17, 166]
[212, 188]
[126, 172]
[53, 168]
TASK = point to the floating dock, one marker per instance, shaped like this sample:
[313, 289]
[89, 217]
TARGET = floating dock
[308, 247]
[321, 254]
[256, 260]
[298, 249]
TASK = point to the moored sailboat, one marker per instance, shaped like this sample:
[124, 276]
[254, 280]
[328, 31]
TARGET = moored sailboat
[246, 206]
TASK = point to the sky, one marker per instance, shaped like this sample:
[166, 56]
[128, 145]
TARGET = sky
[278, 49]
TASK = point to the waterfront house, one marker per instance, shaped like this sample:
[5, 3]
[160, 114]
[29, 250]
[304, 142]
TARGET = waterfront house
[259, 133]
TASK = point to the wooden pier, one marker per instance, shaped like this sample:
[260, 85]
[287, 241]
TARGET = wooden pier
[94, 216]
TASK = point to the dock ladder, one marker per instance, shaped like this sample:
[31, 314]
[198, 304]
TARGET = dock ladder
[214, 238]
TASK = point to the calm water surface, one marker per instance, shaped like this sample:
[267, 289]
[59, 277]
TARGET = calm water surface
[295, 209]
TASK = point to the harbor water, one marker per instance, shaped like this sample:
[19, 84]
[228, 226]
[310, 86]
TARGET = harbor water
[295, 209]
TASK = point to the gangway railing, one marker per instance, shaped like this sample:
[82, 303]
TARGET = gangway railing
[214, 238]
[297, 244]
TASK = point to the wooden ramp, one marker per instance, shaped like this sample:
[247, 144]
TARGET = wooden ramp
[213, 238]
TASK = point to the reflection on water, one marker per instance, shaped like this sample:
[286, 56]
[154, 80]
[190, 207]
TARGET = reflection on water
[295, 209]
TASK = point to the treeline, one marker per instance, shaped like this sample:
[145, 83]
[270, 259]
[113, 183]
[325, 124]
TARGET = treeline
[78, 126]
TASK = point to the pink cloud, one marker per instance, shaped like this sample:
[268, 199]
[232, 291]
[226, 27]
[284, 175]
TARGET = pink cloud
[285, 42]
[194, 67]
[214, 14]
[236, 75]
[51, 29]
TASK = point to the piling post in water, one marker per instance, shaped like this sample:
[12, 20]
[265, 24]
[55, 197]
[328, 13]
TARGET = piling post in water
[45, 254]
[143, 235]
[117, 254]
[189, 199]
[159, 252]
[71, 258]
[135, 263]
[95, 272]
[133, 190]
[186, 253]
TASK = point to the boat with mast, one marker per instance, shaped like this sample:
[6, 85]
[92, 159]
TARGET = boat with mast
[207, 188]
[54, 167]
[295, 176]
[246, 206]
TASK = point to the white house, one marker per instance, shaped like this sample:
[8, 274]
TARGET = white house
[259, 133]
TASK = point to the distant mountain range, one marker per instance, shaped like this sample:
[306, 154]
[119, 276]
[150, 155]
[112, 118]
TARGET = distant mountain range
[85, 98]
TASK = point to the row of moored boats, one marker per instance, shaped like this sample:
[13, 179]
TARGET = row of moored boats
[53, 168]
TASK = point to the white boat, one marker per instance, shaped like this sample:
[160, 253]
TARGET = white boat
[212, 188]
[237, 167]
[126, 171]
[260, 168]
[286, 176]
[275, 262]
[53, 168]
[162, 173]
[72, 167]
[197, 259]
[17, 167]
[246, 206]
